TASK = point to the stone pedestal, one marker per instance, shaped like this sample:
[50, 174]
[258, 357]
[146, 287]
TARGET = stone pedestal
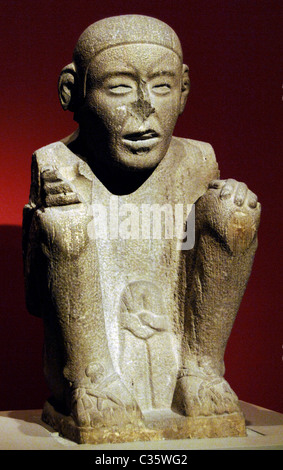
[156, 425]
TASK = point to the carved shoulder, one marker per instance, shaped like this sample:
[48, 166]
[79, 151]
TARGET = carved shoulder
[201, 155]
[197, 166]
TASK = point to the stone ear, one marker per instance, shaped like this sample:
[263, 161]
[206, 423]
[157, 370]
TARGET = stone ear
[185, 87]
[68, 87]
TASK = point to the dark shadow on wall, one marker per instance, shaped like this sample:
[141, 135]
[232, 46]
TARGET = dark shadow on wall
[21, 335]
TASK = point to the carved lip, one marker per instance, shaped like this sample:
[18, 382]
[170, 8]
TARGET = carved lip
[136, 136]
[136, 140]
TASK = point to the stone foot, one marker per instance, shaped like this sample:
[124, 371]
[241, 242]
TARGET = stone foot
[157, 425]
[204, 395]
[105, 403]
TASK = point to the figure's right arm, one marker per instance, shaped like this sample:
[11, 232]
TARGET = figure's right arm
[48, 189]
[31, 242]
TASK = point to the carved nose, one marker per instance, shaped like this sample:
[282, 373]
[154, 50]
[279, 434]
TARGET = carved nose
[142, 108]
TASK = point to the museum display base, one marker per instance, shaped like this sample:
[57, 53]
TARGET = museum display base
[157, 425]
[24, 430]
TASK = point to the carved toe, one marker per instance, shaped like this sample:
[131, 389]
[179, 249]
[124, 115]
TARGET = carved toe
[196, 395]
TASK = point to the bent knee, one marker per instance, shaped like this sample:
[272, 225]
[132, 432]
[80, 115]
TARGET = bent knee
[63, 231]
[240, 232]
[236, 226]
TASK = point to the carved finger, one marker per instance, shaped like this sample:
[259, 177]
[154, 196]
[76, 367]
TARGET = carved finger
[216, 184]
[157, 322]
[241, 194]
[57, 187]
[50, 174]
[62, 199]
[228, 188]
[252, 200]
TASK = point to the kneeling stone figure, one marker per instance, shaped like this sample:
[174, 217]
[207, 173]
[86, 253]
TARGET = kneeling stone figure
[135, 324]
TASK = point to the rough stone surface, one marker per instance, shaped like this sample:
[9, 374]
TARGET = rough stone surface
[136, 254]
[156, 425]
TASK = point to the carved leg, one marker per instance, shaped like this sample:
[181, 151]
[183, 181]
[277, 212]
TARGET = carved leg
[74, 322]
[218, 272]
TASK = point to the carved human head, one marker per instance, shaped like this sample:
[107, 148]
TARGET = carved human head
[127, 85]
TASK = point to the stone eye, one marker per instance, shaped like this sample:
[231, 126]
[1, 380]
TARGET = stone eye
[162, 88]
[120, 89]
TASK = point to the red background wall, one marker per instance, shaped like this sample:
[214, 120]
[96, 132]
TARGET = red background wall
[234, 50]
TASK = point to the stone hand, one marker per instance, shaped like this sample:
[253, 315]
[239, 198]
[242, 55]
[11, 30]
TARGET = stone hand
[144, 324]
[57, 190]
[238, 192]
[232, 211]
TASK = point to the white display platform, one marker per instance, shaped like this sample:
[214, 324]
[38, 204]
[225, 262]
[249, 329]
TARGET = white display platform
[24, 430]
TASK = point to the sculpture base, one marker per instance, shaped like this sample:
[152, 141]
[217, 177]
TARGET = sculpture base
[157, 425]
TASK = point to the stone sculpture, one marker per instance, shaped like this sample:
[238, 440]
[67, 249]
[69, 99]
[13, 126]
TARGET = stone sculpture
[135, 324]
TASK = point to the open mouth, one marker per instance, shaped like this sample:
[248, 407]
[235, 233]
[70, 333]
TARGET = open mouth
[140, 142]
[141, 136]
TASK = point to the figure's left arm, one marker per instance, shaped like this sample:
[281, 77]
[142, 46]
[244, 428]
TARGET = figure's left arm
[234, 213]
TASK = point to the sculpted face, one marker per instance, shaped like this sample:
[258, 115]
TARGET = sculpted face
[133, 95]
